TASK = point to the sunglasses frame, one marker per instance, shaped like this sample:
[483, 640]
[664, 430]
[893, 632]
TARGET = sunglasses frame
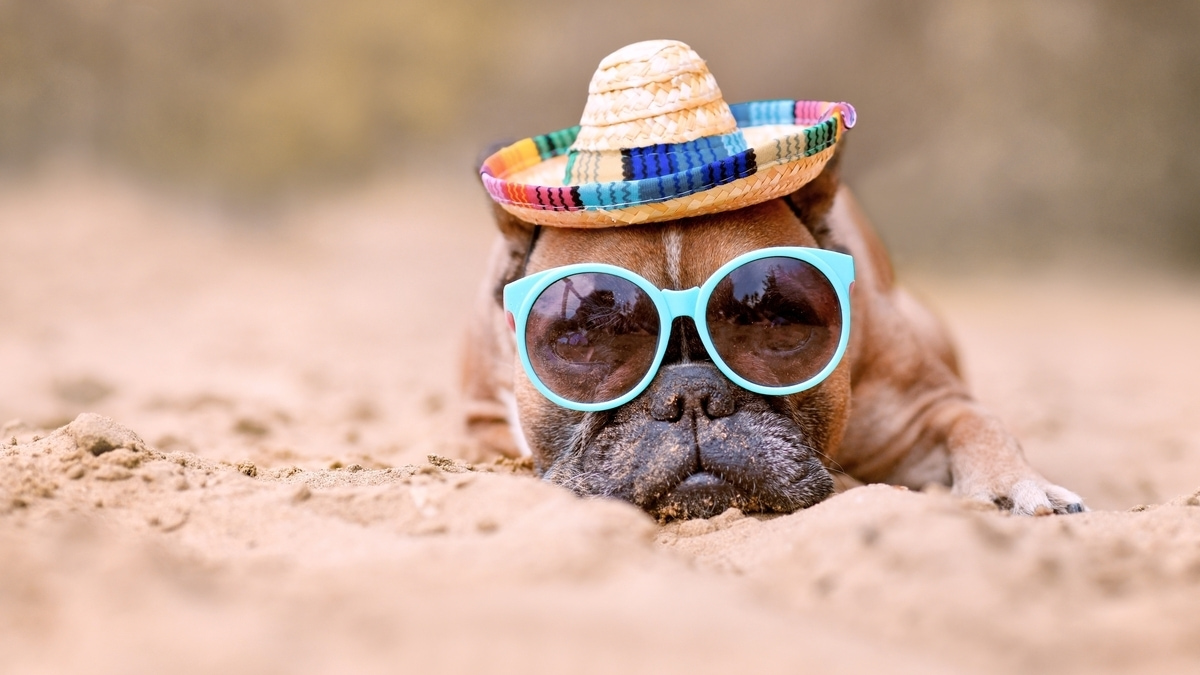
[520, 296]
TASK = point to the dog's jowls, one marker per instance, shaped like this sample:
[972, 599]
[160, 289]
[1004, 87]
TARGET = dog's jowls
[693, 444]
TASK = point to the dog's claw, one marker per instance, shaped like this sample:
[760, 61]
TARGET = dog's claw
[1030, 497]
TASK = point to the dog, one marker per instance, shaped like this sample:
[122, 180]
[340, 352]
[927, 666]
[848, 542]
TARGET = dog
[694, 443]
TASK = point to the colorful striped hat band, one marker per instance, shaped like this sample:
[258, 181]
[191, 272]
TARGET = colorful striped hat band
[658, 142]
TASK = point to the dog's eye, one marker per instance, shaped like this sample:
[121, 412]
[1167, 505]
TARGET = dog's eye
[574, 346]
[781, 326]
[602, 337]
[781, 336]
[787, 326]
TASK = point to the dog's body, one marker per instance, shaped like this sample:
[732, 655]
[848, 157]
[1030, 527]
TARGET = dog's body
[895, 410]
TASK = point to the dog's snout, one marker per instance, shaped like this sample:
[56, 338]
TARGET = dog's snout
[691, 388]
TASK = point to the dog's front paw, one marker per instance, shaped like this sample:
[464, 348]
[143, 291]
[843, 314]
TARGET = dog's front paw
[987, 465]
[1023, 496]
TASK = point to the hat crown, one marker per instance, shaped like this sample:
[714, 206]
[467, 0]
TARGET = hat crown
[642, 63]
[648, 93]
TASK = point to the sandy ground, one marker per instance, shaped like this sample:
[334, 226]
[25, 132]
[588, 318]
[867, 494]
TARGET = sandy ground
[269, 391]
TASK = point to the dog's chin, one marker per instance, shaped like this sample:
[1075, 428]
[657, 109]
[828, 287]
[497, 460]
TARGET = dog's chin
[701, 495]
[704, 495]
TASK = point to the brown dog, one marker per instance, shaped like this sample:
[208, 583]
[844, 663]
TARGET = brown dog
[895, 410]
[656, 143]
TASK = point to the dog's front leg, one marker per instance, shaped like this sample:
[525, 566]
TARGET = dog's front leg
[987, 464]
[913, 421]
[489, 405]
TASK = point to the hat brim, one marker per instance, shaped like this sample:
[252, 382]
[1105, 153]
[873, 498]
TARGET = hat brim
[788, 144]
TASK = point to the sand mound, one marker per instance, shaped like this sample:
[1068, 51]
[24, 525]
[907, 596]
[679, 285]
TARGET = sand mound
[201, 565]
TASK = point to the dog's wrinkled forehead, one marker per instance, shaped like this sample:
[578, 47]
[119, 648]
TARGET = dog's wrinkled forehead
[677, 254]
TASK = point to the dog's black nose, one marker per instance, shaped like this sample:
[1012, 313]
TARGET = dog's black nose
[693, 389]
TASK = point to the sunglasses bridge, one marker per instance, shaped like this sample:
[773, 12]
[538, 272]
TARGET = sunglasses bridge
[680, 303]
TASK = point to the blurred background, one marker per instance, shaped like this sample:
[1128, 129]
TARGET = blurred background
[252, 232]
[1023, 132]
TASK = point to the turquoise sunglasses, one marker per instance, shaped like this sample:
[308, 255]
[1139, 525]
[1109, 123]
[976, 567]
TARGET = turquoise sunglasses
[775, 321]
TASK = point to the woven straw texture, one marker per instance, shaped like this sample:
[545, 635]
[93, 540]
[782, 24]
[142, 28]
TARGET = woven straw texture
[652, 92]
[658, 142]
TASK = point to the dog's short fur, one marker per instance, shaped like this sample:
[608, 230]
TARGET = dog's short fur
[693, 444]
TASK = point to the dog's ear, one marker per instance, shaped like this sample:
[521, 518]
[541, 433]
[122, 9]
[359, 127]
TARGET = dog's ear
[518, 237]
[812, 202]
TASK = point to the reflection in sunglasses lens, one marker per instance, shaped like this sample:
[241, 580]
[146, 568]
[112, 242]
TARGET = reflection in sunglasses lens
[775, 321]
[591, 337]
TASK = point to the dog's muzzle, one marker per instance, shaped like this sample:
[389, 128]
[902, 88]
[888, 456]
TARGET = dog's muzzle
[694, 444]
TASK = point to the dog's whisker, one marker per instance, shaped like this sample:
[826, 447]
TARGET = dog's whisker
[830, 463]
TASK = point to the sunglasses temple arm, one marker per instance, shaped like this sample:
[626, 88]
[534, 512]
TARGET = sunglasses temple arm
[515, 292]
[842, 264]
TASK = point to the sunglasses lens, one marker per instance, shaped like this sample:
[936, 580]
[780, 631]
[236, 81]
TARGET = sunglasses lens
[775, 321]
[591, 337]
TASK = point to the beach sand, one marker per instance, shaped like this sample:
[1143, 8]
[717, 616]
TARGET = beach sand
[231, 444]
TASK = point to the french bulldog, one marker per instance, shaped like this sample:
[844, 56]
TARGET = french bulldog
[692, 444]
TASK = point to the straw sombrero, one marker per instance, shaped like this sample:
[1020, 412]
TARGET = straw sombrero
[658, 142]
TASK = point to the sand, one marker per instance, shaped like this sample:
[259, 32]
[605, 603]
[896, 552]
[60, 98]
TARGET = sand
[230, 444]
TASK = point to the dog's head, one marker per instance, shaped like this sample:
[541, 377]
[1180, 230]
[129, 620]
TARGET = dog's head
[693, 443]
